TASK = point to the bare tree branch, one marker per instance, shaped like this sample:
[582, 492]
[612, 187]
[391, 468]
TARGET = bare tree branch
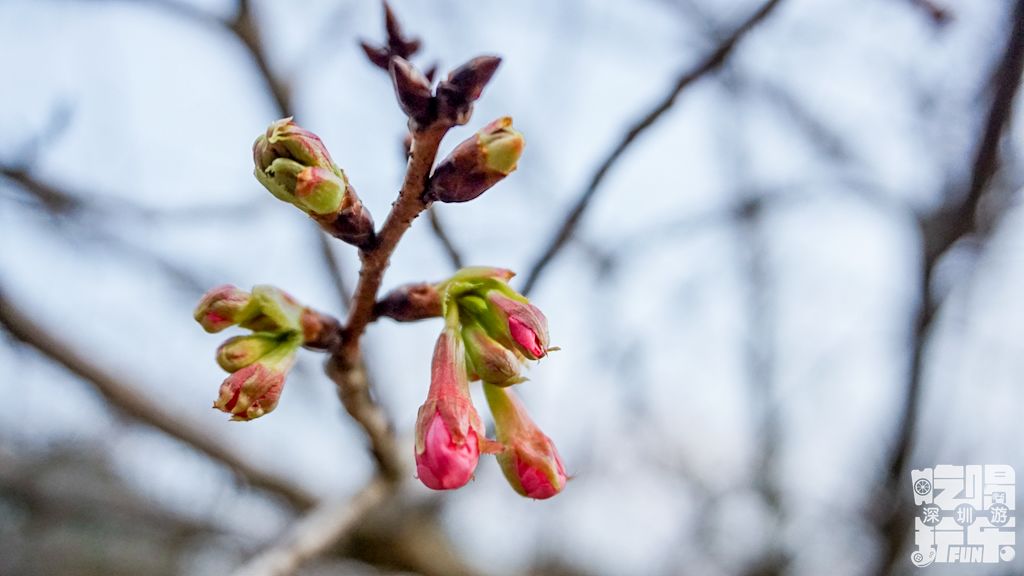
[316, 532]
[709, 64]
[137, 407]
[941, 231]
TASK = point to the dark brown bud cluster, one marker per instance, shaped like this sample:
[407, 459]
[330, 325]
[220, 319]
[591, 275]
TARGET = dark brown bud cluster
[452, 102]
[397, 44]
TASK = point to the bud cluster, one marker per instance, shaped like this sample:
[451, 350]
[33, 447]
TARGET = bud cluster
[294, 165]
[258, 362]
[490, 332]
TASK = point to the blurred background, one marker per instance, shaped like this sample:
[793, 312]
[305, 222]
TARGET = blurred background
[799, 281]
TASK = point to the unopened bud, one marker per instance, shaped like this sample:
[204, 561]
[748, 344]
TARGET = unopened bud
[464, 86]
[413, 91]
[449, 432]
[525, 323]
[222, 307]
[488, 359]
[530, 461]
[477, 163]
[255, 389]
[240, 351]
[274, 311]
[293, 164]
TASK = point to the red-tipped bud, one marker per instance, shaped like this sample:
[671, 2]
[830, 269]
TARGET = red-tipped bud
[449, 433]
[255, 389]
[477, 163]
[525, 323]
[222, 307]
[530, 461]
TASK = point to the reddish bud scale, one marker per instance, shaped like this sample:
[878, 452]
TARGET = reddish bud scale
[477, 163]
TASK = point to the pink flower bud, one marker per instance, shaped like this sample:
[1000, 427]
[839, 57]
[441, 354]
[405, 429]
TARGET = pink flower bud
[526, 324]
[449, 432]
[530, 461]
[255, 389]
[222, 307]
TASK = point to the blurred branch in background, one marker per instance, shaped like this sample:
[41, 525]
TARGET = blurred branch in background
[940, 231]
[709, 64]
[128, 401]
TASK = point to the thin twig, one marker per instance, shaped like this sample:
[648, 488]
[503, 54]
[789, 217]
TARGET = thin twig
[346, 365]
[709, 64]
[133, 404]
[316, 532]
[941, 231]
[334, 270]
[454, 255]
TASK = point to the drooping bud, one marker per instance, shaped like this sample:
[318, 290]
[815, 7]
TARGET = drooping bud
[274, 310]
[477, 163]
[464, 86]
[413, 91]
[222, 307]
[525, 323]
[255, 389]
[530, 461]
[449, 433]
[294, 165]
[410, 302]
[240, 351]
[488, 359]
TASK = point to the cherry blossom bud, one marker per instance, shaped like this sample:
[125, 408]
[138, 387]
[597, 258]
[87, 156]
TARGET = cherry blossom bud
[222, 307]
[274, 310]
[413, 91]
[449, 433]
[530, 461]
[294, 165]
[464, 85]
[488, 359]
[255, 389]
[238, 352]
[524, 323]
[477, 163]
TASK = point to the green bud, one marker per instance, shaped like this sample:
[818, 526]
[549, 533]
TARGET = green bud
[489, 360]
[277, 311]
[238, 352]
